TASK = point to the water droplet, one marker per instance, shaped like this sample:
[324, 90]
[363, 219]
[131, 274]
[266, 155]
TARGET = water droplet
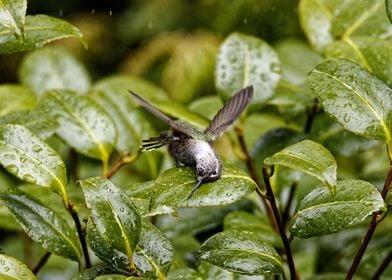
[29, 178]
[13, 169]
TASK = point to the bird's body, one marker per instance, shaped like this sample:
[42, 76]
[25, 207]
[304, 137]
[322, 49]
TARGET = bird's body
[192, 147]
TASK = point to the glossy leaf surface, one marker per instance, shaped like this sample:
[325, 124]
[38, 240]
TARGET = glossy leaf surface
[15, 97]
[174, 185]
[13, 269]
[83, 124]
[320, 213]
[309, 157]
[30, 159]
[44, 226]
[39, 30]
[53, 68]
[114, 224]
[243, 252]
[12, 17]
[354, 97]
[245, 60]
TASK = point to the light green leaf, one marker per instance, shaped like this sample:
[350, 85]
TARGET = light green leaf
[206, 106]
[245, 60]
[154, 252]
[83, 124]
[115, 277]
[320, 213]
[174, 185]
[325, 21]
[309, 157]
[114, 224]
[12, 17]
[30, 159]
[44, 226]
[183, 274]
[331, 276]
[12, 269]
[15, 97]
[39, 30]
[372, 54]
[354, 97]
[242, 252]
[53, 68]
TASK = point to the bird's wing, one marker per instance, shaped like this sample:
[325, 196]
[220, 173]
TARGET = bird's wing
[229, 112]
[144, 103]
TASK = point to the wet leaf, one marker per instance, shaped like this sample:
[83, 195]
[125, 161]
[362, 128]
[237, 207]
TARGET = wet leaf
[183, 274]
[14, 98]
[354, 97]
[12, 17]
[388, 4]
[114, 224]
[115, 277]
[174, 185]
[44, 226]
[320, 213]
[30, 159]
[154, 252]
[53, 68]
[242, 252]
[309, 157]
[245, 60]
[331, 276]
[39, 30]
[325, 21]
[83, 124]
[11, 268]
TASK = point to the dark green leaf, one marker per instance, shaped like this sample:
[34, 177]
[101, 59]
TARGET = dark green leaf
[83, 124]
[154, 252]
[44, 226]
[12, 269]
[183, 274]
[12, 17]
[242, 252]
[113, 227]
[354, 97]
[116, 277]
[320, 213]
[210, 271]
[174, 185]
[29, 158]
[53, 68]
[388, 4]
[92, 273]
[245, 60]
[39, 30]
[15, 98]
[331, 276]
[308, 157]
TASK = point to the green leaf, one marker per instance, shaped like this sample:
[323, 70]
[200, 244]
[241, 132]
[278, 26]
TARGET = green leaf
[12, 269]
[83, 124]
[114, 224]
[53, 68]
[36, 121]
[354, 97]
[320, 213]
[15, 98]
[44, 226]
[39, 30]
[325, 21]
[331, 276]
[245, 60]
[309, 157]
[30, 159]
[388, 4]
[154, 252]
[372, 54]
[12, 17]
[174, 185]
[242, 252]
[115, 277]
[183, 274]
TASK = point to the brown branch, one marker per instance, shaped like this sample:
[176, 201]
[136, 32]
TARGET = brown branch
[41, 263]
[286, 211]
[126, 158]
[371, 228]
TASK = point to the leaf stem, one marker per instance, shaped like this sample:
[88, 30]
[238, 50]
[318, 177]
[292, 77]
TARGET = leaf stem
[41, 263]
[255, 178]
[81, 235]
[286, 243]
[286, 211]
[371, 228]
[126, 158]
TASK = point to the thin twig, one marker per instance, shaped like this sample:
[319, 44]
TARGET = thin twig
[371, 228]
[75, 217]
[255, 178]
[382, 267]
[126, 158]
[286, 211]
[311, 115]
[41, 263]
[282, 232]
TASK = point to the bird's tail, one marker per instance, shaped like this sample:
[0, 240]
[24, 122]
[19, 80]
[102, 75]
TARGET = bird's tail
[155, 142]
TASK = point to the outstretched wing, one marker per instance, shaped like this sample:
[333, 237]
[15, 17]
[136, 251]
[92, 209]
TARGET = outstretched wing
[229, 112]
[158, 113]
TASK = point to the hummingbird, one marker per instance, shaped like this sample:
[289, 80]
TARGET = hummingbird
[190, 146]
